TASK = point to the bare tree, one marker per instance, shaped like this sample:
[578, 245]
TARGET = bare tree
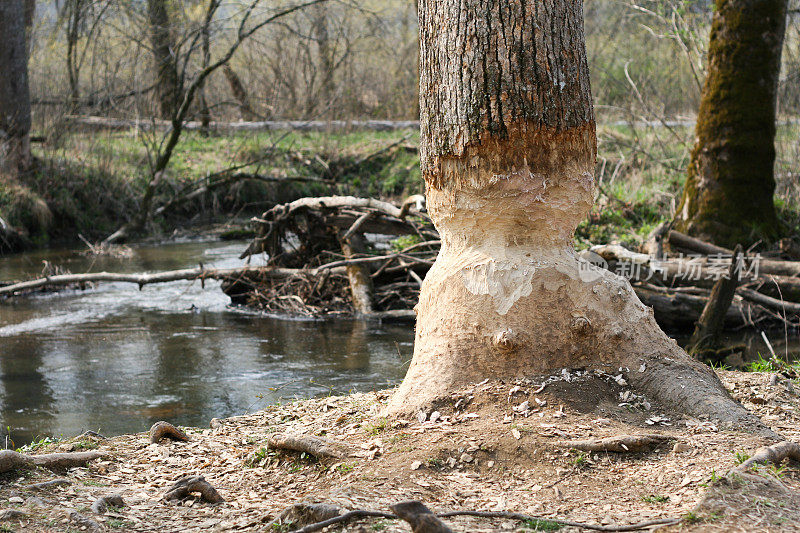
[15, 107]
[508, 152]
[728, 197]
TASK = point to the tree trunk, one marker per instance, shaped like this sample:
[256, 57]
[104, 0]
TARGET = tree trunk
[728, 194]
[15, 106]
[326, 63]
[508, 152]
[168, 89]
[239, 93]
[74, 15]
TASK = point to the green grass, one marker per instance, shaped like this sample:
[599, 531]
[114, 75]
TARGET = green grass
[655, 499]
[540, 524]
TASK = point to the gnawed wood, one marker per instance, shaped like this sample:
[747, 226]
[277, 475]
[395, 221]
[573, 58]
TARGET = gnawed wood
[618, 444]
[164, 430]
[187, 485]
[316, 446]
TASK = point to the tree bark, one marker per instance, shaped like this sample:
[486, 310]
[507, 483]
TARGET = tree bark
[15, 106]
[507, 152]
[168, 89]
[728, 194]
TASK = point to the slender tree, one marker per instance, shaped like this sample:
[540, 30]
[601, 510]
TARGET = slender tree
[168, 89]
[15, 106]
[728, 194]
[508, 152]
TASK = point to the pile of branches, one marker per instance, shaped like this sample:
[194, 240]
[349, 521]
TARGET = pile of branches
[339, 248]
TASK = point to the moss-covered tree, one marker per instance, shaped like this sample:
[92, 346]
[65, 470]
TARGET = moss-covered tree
[728, 197]
[507, 152]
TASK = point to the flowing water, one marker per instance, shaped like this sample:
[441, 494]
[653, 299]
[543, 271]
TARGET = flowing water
[115, 359]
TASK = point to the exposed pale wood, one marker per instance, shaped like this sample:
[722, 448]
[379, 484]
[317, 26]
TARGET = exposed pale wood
[618, 443]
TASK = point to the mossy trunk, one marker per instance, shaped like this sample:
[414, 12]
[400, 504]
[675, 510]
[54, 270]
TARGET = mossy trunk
[728, 197]
[168, 89]
[507, 152]
[15, 105]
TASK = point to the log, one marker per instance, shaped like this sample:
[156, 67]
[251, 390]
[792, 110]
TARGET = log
[708, 329]
[93, 123]
[358, 276]
[693, 245]
[318, 447]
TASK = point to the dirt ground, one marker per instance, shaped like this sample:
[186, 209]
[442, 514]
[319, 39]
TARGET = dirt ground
[493, 446]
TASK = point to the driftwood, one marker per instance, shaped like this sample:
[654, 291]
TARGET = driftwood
[316, 446]
[619, 443]
[165, 430]
[11, 460]
[186, 485]
[102, 123]
[101, 505]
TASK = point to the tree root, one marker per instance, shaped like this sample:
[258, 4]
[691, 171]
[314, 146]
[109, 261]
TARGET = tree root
[186, 485]
[414, 510]
[101, 505]
[774, 454]
[319, 448]
[11, 514]
[84, 521]
[421, 519]
[11, 460]
[165, 430]
[619, 443]
[303, 514]
[60, 482]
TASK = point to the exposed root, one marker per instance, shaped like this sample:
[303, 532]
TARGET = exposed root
[11, 514]
[11, 460]
[304, 514]
[186, 485]
[165, 430]
[342, 519]
[84, 522]
[101, 505]
[60, 482]
[619, 443]
[319, 448]
[774, 454]
[421, 519]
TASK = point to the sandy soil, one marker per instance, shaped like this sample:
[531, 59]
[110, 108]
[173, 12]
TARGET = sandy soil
[483, 448]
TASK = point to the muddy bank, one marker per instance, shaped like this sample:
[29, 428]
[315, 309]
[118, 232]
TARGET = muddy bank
[491, 447]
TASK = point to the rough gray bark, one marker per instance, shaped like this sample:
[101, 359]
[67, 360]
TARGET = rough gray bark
[168, 88]
[15, 106]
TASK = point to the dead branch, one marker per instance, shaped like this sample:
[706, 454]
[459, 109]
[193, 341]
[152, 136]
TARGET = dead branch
[316, 446]
[619, 443]
[165, 430]
[774, 454]
[186, 485]
[141, 280]
[103, 123]
[421, 519]
[60, 482]
[101, 505]
[11, 460]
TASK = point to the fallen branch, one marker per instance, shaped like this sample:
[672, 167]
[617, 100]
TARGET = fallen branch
[186, 485]
[318, 447]
[619, 443]
[165, 430]
[11, 460]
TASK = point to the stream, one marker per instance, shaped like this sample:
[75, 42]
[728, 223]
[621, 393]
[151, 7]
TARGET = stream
[115, 360]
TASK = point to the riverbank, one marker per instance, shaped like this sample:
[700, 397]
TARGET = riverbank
[493, 447]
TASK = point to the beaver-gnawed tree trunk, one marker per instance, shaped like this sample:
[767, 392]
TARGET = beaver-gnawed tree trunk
[168, 88]
[508, 153]
[728, 194]
[15, 106]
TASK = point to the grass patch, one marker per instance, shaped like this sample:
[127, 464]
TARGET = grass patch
[540, 524]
